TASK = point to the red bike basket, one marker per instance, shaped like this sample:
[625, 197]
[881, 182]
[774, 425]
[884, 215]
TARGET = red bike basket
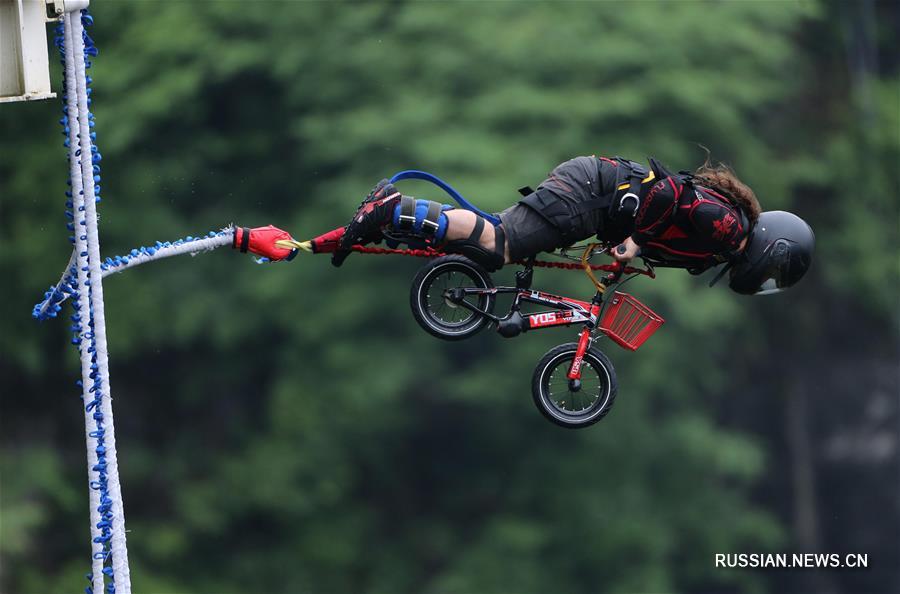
[628, 322]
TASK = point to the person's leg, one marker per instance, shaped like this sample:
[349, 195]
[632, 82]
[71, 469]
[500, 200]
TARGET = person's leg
[423, 223]
[461, 223]
[523, 233]
[528, 233]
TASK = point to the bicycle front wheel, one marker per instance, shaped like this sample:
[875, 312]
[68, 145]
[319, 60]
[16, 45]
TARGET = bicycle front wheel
[570, 404]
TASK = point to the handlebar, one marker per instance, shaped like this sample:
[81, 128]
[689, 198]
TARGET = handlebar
[615, 270]
[619, 269]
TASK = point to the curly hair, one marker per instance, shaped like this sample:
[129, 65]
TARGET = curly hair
[724, 181]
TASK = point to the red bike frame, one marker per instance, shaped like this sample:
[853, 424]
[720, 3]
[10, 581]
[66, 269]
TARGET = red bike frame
[565, 310]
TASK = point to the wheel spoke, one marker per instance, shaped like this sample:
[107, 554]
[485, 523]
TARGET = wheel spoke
[574, 403]
[441, 309]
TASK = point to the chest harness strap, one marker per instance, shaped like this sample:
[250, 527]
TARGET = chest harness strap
[630, 176]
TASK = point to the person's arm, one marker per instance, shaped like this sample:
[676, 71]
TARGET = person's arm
[653, 215]
[720, 223]
[655, 211]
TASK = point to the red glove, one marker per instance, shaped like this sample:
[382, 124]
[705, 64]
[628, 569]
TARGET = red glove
[261, 241]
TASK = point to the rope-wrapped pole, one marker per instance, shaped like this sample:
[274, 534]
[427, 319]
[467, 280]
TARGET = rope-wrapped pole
[83, 315]
[118, 547]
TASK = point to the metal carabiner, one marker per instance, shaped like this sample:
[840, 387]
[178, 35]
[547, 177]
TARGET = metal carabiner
[637, 202]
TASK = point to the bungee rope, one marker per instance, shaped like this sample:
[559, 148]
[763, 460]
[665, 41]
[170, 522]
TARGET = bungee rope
[307, 246]
[429, 253]
[51, 304]
[82, 280]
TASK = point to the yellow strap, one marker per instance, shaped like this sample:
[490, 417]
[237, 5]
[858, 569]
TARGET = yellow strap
[290, 244]
[643, 181]
[586, 264]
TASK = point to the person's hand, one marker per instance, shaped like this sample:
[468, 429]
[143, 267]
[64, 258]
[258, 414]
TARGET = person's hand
[626, 250]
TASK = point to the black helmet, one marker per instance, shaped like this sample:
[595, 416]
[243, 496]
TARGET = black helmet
[778, 253]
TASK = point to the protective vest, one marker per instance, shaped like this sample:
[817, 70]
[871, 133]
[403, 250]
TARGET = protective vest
[692, 197]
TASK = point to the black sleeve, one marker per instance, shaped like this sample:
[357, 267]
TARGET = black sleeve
[718, 223]
[655, 211]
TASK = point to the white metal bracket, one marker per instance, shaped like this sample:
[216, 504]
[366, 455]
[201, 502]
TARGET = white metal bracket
[24, 63]
[56, 8]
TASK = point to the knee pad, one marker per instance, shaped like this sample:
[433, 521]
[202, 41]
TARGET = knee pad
[471, 247]
[423, 219]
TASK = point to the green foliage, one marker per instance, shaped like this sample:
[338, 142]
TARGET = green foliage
[288, 428]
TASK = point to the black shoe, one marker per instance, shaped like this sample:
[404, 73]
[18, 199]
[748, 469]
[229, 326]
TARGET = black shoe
[375, 212]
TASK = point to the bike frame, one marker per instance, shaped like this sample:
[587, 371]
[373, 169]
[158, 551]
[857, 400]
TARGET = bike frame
[564, 311]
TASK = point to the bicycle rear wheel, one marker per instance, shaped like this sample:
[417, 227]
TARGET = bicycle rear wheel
[439, 316]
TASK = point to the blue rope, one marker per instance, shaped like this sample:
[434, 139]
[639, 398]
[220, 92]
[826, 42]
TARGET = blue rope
[450, 190]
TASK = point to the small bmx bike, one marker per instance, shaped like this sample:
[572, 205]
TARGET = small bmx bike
[574, 384]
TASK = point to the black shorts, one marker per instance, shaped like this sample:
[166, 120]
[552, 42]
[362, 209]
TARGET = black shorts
[528, 233]
[574, 181]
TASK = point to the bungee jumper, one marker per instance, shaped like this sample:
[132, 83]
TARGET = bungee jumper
[691, 220]
[694, 221]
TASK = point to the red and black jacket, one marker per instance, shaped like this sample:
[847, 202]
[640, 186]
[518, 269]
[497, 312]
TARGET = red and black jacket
[676, 220]
[682, 223]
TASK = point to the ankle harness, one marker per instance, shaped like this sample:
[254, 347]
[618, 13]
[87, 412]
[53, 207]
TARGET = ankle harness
[422, 219]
